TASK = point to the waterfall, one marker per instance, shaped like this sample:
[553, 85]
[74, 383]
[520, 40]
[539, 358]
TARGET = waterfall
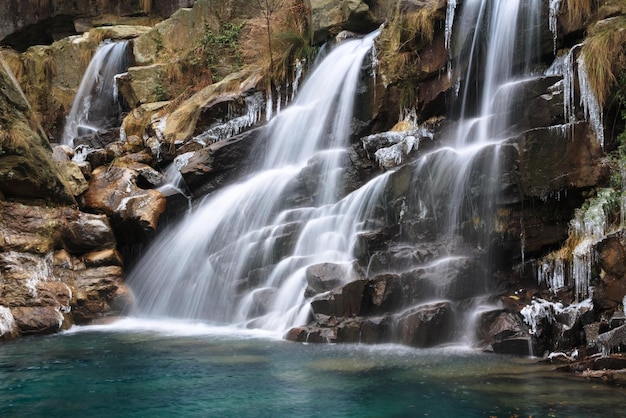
[240, 257]
[96, 106]
[459, 180]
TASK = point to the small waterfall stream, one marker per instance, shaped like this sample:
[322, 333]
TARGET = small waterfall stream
[242, 254]
[96, 106]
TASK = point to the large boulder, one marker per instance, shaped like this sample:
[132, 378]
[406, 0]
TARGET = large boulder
[26, 166]
[181, 124]
[134, 211]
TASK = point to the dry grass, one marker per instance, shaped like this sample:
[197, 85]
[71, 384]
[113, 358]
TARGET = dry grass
[578, 10]
[146, 6]
[14, 60]
[410, 29]
[289, 36]
[605, 55]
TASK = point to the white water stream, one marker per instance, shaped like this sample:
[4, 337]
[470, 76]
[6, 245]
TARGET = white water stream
[242, 233]
[95, 106]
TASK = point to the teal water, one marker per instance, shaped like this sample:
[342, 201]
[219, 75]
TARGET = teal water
[135, 369]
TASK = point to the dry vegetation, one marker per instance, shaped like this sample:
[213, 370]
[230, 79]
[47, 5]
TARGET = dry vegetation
[605, 55]
[289, 39]
[579, 10]
[410, 29]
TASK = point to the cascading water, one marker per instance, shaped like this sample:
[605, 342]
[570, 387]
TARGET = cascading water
[96, 106]
[456, 186]
[460, 179]
[241, 256]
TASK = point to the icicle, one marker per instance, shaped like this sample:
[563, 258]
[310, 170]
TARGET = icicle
[568, 86]
[449, 22]
[552, 273]
[296, 78]
[589, 101]
[268, 105]
[555, 8]
[278, 100]
[235, 125]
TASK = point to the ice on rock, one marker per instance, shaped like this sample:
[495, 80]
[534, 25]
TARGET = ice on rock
[7, 322]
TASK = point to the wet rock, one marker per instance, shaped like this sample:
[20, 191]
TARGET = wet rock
[108, 257]
[88, 232]
[262, 301]
[38, 319]
[312, 334]
[612, 256]
[327, 276]
[9, 329]
[613, 340]
[550, 161]
[504, 332]
[345, 302]
[97, 292]
[426, 325]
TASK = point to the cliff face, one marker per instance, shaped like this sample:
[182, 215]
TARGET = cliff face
[36, 22]
[193, 72]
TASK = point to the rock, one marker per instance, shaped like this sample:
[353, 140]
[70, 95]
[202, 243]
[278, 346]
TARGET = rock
[97, 292]
[144, 85]
[550, 161]
[612, 256]
[613, 340]
[181, 124]
[329, 17]
[38, 319]
[326, 276]
[32, 22]
[426, 325]
[87, 233]
[114, 192]
[26, 166]
[74, 177]
[108, 257]
[186, 26]
[9, 329]
[347, 301]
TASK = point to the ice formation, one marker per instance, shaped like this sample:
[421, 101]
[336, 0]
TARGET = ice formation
[235, 125]
[7, 322]
[555, 8]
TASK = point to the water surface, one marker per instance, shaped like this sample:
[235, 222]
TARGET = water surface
[156, 369]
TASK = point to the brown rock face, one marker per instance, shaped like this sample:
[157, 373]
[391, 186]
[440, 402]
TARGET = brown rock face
[135, 211]
[58, 266]
[26, 167]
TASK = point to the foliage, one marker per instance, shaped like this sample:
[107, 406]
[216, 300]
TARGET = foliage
[212, 45]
